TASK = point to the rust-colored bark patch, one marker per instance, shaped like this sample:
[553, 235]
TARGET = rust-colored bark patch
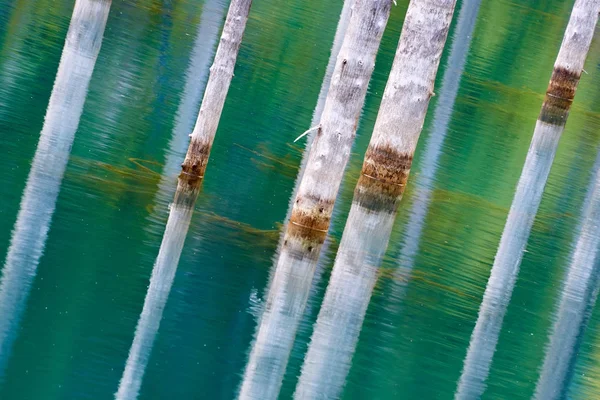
[310, 218]
[559, 96]
[383, 179]
[192, 174]
[196, 159]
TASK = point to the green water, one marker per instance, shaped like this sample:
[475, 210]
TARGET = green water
[78, 325]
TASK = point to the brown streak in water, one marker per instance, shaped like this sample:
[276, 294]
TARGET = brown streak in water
[268, 157]
[140, 164]
[421, 276]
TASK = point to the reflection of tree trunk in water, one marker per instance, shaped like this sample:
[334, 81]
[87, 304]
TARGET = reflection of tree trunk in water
[549, 127]
[80, 51]
[202, 53]
[376, 198]
[118, 72]
[577, 302]
[313, 205]
[433, 146]
[188, 187]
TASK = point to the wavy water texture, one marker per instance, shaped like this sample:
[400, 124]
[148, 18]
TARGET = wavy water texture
[13, 63]
[82, 45]
[165, 266]
[577, 301]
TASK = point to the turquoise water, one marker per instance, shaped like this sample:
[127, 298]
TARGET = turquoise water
[80, 316]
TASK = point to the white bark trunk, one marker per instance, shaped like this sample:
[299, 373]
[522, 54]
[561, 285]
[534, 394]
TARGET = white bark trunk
[311, 213]
[549, 127]
[577, 301]
[335, 50]
[182, 208]
[337, 44]
[376, 198]
[77, 62]
[433, 147]
[203, 52]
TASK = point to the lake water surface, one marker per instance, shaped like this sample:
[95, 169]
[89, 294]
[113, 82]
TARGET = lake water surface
[75, 332]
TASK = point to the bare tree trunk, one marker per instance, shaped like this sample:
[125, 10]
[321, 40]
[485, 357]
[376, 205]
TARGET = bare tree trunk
[156, 297]
[188, 187]
[550, 125]
[77, 62]
[335, 50]
[376, 198]
[577, 301]
[203, 52]
[432, 149]
[313, 206]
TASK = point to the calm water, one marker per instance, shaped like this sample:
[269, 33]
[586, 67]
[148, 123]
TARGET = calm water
[74, 336]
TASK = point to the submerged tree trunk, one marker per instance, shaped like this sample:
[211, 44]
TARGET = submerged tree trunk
[77, 62]
[188, 187]
[163, 275]
[577, 301]
[376, 198]
[550, 125]
[313, 206]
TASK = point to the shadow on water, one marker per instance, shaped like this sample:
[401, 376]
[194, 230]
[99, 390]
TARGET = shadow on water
[82, 45]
